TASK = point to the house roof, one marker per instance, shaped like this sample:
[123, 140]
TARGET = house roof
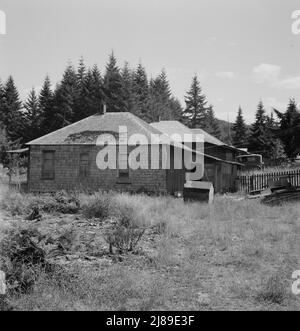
[88, 130]
[173, 128]
[208, 137]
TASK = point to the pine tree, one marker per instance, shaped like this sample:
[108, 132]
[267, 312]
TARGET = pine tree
[140, 88]
[240, 131]
[289, 129]
[32, 117]
[80, 109]
[194, 113]
[11, 114]
[113, 86]
[260, 140]
[211, 123]
[46, 107]
[97, 91]
[65, 96]
[2, 92]
[176, 109]
[165, 107]
[129, 100]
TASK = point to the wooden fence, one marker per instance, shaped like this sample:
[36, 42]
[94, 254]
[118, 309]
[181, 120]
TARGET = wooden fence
[248, 183]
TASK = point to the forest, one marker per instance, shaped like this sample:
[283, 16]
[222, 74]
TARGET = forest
[82, 91]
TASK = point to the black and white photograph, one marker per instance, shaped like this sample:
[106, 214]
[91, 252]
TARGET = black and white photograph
[149, 158]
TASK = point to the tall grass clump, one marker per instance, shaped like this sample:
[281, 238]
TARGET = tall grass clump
[96, 205]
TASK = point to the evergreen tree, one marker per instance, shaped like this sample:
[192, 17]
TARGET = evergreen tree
[289, 129]
[195, 111]
[11, 115]
[277, 151]
[176, 109]
[129, 98]
[240, 132]
[260, 139]
[113, 86]
[46, 107]
[80, 108]
[1, 97]
[211, 123]
[140, 88]
[32, 117]
[97, 91]
[65, 96]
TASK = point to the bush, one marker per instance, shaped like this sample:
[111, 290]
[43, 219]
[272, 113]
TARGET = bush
[22, 259]
[273, 291]
[97, 206]
[20, 204]
[129, 221]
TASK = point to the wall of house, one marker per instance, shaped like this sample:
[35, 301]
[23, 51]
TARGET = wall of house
[67, 176]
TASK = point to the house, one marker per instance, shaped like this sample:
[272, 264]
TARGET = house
[220, 164]
[68, 158]
[76, 157]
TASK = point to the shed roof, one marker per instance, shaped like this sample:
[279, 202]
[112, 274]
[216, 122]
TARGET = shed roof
[87, 131]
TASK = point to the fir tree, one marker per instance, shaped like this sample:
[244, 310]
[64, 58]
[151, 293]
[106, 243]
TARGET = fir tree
[194, 113]
[65, 97]
[11, 114]
[240, 131]
[289, 129]
[97, 91]
[140, 88]
[260, 138]
[32, 117]
[113, 86]
[211, 123]
[46, 107]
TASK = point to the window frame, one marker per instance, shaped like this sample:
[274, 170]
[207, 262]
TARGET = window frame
[47, 175]
[86, 172]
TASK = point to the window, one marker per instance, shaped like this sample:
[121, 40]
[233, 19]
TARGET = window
[84, 165]
[48, 166]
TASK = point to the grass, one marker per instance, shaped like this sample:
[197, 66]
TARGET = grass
[234, 254]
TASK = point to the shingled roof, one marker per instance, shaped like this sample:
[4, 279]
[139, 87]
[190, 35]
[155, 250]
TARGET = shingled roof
[171, 127]
[87, 131]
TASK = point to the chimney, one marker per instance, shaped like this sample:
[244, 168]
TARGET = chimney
[104, 108]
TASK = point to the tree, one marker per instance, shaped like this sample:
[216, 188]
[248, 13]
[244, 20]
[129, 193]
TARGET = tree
[260, 140]
[11, 115]
[129, 98]
[194, 113]
[1, 97]
[289, 129]
[140, 89]
[46, 107]
[277, 151]
[211, 123]
[113, 86]
[240, 131]
[65, 96]
[32, 117]
[80, 108]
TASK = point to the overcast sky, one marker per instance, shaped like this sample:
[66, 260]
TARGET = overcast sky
[242, 50]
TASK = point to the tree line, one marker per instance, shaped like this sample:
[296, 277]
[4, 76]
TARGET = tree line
[83, 91]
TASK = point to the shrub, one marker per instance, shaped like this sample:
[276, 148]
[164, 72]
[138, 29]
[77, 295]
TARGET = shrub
[273, 291]
[129, 220]
[97, 206]
[22, 259]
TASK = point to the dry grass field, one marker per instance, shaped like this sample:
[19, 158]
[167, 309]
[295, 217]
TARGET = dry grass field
[233, 255]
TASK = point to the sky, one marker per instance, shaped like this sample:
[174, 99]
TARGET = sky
[242, 51]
